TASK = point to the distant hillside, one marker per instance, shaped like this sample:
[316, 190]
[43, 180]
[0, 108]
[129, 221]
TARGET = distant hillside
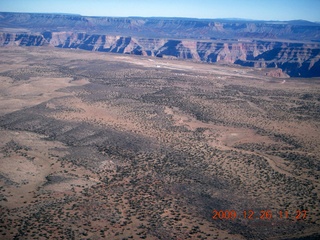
[164, 27]
[293, 46]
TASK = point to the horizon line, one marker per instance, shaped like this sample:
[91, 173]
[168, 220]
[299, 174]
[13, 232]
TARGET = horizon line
[227, 18]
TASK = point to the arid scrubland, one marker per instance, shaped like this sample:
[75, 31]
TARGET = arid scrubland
[102, 146]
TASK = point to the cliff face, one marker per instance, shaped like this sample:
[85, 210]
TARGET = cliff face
[173, 28]
[296, 59]
[247, 43]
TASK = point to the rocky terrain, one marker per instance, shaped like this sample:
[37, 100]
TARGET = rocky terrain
[292, 47]
[107, 146]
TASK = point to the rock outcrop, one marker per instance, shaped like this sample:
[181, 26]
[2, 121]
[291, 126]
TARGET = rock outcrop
[226, 41]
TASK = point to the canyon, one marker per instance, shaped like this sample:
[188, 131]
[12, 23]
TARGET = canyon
[292, 47]
[158, 128]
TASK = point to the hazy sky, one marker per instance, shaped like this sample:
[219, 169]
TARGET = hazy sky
[249, 9]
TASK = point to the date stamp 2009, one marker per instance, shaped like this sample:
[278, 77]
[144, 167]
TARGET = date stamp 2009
[262, 214]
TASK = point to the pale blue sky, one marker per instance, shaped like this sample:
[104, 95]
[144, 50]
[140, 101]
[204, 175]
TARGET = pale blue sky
[249, 9]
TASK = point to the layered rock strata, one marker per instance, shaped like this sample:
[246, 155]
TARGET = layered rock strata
[296, 59]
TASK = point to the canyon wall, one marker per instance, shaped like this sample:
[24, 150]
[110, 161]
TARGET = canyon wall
[156, 27]
[296, 59]
[293, 46]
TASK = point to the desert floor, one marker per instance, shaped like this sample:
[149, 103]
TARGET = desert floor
[105, 146]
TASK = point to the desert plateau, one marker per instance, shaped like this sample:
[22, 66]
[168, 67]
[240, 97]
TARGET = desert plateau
[97, 145]
[160, 120]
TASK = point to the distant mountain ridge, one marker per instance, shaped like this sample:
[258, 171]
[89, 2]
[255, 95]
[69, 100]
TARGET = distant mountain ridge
[293, 46]
[180, 28]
